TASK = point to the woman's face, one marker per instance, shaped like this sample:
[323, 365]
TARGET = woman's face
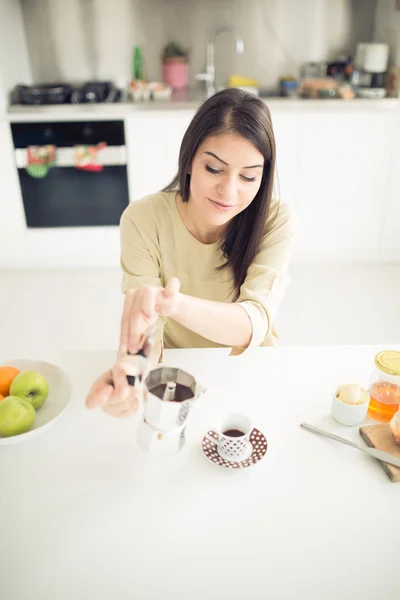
[226, 175]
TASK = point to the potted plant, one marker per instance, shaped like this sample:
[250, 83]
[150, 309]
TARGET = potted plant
[175, 65]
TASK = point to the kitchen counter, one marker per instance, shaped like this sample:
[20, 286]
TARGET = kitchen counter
[87, 514]
[325, 168]
[189, 102]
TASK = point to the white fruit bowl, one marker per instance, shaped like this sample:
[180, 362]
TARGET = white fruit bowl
[60, 391]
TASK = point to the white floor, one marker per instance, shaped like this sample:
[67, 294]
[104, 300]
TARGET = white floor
[80, 309]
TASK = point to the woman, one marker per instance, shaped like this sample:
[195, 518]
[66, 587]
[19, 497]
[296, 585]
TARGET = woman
[206, 259]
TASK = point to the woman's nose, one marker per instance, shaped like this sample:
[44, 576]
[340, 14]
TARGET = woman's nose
[228, 188]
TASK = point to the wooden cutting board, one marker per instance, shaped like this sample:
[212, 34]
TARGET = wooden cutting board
[380, 437]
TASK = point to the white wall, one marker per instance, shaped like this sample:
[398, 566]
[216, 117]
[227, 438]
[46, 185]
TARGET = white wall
[14, 61]
[79, 39]
[83, 39]
[387, 28]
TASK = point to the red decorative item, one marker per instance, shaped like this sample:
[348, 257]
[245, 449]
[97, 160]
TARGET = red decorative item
[86, 157]
[40, 159]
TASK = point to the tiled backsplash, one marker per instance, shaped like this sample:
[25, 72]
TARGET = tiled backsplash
[85, 39]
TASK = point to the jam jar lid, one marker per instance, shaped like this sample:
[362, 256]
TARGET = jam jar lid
[388, 361]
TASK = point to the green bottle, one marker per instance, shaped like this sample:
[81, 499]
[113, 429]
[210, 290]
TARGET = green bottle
[137, 63]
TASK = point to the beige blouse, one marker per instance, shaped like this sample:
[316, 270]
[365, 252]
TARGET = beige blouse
[156, 245]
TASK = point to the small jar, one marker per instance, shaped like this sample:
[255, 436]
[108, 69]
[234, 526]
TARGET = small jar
[349, 414]
[384, 386]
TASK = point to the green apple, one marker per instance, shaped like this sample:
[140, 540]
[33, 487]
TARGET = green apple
[30, 386]
[16, 416]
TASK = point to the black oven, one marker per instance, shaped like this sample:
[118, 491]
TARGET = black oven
[67, 196]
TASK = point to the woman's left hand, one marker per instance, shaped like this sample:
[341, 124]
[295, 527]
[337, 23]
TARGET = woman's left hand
[112, 393]
[142, 307]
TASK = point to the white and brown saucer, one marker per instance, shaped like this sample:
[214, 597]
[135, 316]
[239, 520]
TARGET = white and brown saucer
[258, 442]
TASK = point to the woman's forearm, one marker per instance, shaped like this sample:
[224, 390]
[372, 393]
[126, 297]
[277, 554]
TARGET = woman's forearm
[220, 322]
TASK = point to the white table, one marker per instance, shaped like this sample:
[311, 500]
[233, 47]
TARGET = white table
[84, 514]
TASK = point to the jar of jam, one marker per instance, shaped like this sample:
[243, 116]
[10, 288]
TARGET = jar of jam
[384, 386]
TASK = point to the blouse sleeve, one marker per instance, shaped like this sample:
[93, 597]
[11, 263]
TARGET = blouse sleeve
[140, 261]
[267, 279]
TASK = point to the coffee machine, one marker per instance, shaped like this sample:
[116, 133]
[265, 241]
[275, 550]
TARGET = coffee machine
[168, 396]
[371, 62]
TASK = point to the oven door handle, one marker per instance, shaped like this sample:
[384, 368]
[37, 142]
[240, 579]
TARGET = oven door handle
[109, 156]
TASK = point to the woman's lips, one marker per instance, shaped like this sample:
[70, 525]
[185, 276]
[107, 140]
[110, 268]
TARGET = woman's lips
[222, 207]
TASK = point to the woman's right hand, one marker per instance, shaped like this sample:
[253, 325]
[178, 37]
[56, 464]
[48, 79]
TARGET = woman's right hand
[112, 393]
[142, 307]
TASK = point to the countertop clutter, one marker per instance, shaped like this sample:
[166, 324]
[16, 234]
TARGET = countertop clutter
[367, 76]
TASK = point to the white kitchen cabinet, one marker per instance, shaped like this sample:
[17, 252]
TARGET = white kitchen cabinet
[344, 166]
[389, 230]
[337, 165]
[12, 212]
[286, 130]
[153, 140]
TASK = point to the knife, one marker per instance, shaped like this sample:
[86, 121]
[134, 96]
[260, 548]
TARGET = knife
[378, 454]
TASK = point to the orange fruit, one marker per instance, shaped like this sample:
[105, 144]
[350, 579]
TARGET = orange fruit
[1, 397]
[7, 374]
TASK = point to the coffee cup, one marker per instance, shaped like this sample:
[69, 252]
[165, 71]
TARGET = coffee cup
[232, 437]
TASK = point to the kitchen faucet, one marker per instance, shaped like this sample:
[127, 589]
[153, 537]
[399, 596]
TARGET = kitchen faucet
[209, 75]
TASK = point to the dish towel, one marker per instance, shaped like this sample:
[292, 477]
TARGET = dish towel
[40, 159]
[87, 157]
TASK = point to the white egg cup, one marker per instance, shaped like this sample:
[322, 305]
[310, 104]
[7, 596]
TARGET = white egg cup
[348, 414]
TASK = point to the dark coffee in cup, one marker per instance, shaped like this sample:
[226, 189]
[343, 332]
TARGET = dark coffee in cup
[233, 433]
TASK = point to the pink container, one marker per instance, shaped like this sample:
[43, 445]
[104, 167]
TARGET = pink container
[175, 73]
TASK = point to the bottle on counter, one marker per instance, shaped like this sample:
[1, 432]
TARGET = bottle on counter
[138, 64]
[384, 387]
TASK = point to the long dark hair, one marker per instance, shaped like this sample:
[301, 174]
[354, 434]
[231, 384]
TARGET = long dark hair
[236, 111]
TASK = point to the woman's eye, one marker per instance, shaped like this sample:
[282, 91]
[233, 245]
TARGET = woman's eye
[211, 170]
[218, 172]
